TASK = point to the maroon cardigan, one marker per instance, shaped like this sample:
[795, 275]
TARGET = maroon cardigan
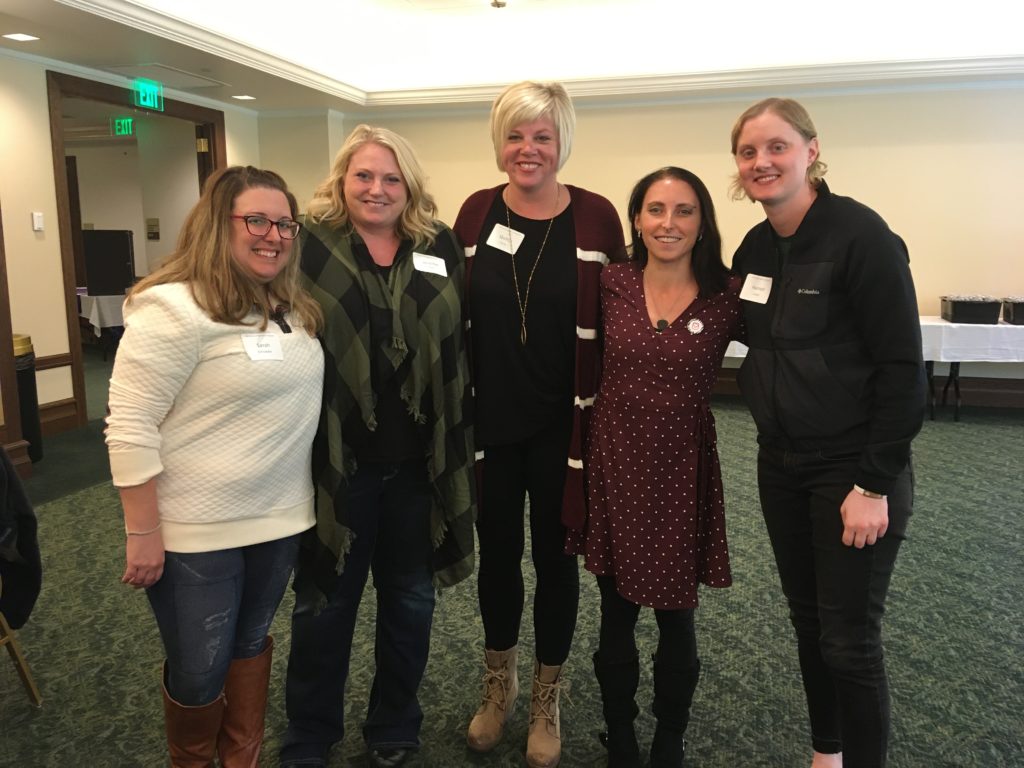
[598, 240]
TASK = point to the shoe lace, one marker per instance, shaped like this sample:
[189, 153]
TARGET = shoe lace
[496, 685]
[546, 696]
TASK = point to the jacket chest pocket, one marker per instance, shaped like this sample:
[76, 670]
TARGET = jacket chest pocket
[801, 309]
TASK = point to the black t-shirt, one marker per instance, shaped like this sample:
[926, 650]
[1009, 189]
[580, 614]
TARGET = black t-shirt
[521, 389]
[397, 436]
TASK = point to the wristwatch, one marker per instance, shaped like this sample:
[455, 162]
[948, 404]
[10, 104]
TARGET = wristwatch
[869, 494]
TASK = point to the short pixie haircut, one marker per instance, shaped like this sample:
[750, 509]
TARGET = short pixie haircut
[794, 113]
[528, 101]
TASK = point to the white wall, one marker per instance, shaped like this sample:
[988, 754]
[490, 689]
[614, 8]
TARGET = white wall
[110, 193]
[169, 177]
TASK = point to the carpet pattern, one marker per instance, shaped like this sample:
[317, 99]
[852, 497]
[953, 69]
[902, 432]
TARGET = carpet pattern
[954, 636]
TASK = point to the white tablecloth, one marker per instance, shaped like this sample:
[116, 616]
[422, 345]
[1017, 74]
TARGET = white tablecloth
[102, 311]
[946, 342]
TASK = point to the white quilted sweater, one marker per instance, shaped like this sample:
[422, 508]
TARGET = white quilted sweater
[228, 438]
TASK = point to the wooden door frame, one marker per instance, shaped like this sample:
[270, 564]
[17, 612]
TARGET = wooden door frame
[10, 431]
[72, 413]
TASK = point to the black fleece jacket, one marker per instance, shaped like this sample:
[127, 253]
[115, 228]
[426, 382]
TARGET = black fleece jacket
[834, 362]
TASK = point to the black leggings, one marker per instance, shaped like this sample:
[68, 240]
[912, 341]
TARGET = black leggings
[677, 638]
[537, 467]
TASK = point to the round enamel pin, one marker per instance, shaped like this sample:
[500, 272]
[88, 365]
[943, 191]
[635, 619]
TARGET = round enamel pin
[695, 326]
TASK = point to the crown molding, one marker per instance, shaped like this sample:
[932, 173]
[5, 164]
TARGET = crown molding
[826, 77]
[185, 33]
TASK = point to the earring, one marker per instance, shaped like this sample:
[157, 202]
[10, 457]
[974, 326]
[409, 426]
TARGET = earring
[700, 237]
[639, 236]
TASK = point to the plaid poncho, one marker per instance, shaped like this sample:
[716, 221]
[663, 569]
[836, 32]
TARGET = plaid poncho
[427, 325]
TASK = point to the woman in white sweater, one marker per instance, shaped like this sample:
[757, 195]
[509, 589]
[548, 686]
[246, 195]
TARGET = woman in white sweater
[214, 401]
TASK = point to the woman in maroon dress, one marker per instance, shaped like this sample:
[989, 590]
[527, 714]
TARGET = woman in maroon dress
[657, 526]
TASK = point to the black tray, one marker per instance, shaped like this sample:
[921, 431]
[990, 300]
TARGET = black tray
[1013, 312]
[961, 311]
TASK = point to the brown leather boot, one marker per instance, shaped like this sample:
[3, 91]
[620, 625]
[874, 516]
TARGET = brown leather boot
[191, 731]
[241, 732]
[544, 741]
[501, 687]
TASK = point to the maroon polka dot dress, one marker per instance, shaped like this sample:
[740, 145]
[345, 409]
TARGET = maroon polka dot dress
[656, 513]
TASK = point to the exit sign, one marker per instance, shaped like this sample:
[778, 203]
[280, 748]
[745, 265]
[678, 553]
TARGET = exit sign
[148, 94]
[123, 126]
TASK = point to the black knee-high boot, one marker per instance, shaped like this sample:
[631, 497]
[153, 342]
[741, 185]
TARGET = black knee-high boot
[673, 693]
[618, 681]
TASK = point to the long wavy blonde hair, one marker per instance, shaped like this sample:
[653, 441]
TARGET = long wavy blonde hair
[203, 258]
[417, 220]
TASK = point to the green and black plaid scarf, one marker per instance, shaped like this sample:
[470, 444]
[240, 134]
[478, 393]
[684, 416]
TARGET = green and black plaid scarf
[434, 385]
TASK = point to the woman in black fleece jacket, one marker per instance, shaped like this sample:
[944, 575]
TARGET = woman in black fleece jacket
[835, 382]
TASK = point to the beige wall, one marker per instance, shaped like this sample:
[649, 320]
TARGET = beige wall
[299, 148]
[169, 178]
[942, 167]
[34, 272]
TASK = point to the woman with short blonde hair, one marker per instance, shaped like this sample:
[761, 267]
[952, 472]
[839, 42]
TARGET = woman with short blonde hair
[536, 248]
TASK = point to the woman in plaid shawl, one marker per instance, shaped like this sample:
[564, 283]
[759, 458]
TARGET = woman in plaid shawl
[392, 462]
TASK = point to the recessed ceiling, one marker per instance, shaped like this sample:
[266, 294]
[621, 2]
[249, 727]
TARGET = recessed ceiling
[350, 55]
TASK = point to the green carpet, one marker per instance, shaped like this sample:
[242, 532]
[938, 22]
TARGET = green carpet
[954, 636]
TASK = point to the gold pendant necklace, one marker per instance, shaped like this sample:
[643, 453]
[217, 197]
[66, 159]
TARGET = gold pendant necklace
[524, 300]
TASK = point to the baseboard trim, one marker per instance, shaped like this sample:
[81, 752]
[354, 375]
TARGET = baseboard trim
[18, 453]
[974, 390]
[58, 416]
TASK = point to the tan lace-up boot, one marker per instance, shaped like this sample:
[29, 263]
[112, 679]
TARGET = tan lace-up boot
[501, 687]
[544, 742]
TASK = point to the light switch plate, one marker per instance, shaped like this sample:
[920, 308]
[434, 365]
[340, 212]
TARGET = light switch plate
[37, 221]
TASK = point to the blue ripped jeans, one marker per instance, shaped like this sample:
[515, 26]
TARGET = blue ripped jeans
[212, 607]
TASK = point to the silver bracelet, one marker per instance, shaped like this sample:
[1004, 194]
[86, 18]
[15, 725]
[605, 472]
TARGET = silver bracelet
[143, 533]
[869, 494]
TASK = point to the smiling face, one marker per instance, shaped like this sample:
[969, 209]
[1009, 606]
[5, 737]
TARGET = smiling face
[529, 154]
[261, 257]
[374, 190]
[669, 220]
[772, 159]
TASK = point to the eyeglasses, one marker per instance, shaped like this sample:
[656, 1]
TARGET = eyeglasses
[260, 226]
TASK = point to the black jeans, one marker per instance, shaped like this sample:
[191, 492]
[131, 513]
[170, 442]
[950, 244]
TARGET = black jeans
[836, 596]
[389, 514]
[536, 466]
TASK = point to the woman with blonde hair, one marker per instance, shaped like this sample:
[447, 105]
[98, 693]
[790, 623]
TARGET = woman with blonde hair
[210, 434]
[835, 384]
[393, 455]
[536, 248]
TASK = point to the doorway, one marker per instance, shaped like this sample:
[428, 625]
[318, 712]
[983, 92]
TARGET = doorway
[208, 124]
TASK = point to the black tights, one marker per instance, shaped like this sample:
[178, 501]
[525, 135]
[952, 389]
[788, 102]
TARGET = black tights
[677, 639]
[537, 467]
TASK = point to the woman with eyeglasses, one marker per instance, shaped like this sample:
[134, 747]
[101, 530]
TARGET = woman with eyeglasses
[393, 456]
[210, 437]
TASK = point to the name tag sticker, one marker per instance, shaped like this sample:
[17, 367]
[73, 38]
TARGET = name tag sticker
[262, 346]
[433, 264]
[756, 288]
[505, 239]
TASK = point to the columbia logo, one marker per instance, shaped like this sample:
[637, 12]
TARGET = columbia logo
[809, 291]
